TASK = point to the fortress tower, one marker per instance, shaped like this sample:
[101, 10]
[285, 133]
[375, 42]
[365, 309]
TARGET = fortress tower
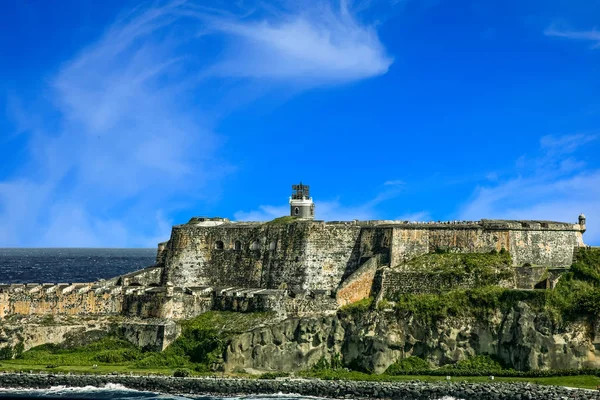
[301, 204]
[582, 222]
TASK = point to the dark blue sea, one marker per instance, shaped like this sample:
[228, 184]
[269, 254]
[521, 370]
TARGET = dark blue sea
[70, 265]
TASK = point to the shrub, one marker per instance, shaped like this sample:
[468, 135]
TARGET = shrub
[358, 307]
[117, 356]
[273, 375]
[162, 360]
[480, 362]
[182, 373]
[333, 364]
[6, 353]
[19, 349]
[407, 364]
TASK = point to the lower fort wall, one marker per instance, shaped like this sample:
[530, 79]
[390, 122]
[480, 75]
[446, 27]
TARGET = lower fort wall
[63, 299]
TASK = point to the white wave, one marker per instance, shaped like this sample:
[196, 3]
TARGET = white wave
[110, 387]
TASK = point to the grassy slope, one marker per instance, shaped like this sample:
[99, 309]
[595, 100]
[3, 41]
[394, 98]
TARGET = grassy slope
[200, 345]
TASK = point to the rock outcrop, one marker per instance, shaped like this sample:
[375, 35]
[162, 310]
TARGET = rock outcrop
[372, 341]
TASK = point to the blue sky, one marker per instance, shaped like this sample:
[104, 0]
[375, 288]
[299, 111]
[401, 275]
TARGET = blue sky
[120, 119]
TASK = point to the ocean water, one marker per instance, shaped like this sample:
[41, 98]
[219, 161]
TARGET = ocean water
[70, 265]
[118, 392]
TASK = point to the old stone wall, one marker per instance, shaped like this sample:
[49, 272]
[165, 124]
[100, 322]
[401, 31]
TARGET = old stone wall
[396, 282]
[65, 299]
[298, 255]
[166, 302]
[149, 276]
[465, 238]
[284, 303]
[161, 253]
[543, 247]
[537, 243]
[313, 255]
[149, 335]
[359, 285]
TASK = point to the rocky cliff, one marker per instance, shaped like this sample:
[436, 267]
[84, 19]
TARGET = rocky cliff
[373, 340]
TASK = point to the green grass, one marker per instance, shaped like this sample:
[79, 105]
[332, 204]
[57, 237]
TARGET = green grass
[576, 296]
[283, 220]
[199, 348]
[480, 269]
[358, 307]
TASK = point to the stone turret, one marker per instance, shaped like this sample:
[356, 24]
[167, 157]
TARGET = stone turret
[301, 204]
[582, 222]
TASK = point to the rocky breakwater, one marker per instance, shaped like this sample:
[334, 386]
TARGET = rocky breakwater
[371, 341]
[306, 387]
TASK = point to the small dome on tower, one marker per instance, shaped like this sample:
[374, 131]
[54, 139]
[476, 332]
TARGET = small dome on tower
[582, 216]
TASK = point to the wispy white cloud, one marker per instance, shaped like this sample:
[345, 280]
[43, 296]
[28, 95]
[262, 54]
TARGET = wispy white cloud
[318, 45]
[550, 191]
[122, 146]
[128, 134]
[592, 35]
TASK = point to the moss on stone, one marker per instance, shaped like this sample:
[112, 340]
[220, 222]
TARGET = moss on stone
[481, 269]
[576, 296]
[358, 306]
[283, 220]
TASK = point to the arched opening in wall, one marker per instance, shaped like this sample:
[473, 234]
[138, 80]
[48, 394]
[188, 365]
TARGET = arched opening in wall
[255, 245]
[219, 245]
[296, 211]
[273, 245]
[237, 245]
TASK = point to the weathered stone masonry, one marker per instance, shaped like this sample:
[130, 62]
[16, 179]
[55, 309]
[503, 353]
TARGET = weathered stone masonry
[213, 263]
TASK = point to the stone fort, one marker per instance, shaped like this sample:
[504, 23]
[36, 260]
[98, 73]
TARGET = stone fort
[297, 265]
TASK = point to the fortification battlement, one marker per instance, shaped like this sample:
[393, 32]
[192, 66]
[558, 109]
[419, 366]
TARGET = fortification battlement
[487, 224]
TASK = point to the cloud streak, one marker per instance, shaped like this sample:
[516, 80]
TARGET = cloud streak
[131, 128]
[319, 46]
[592, 35]
[550, 191]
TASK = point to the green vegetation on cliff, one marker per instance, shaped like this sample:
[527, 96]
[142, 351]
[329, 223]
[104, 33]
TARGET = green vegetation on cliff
[200, 347]
[203, 340]
[576, 295]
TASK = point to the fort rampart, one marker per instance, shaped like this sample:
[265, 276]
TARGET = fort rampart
[296, 266]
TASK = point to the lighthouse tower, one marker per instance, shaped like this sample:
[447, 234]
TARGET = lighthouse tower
[582, 222]
[301, 204]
